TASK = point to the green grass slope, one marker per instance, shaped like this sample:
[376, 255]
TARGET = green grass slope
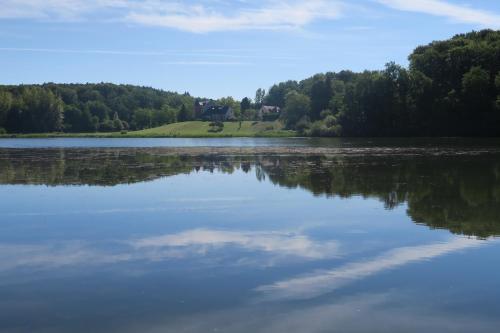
[201, 129]
[189, 129]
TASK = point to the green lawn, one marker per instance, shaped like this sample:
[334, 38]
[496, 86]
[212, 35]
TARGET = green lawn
[201, 129]
[189, 129]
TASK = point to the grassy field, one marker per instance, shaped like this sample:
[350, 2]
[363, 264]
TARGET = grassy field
[202, 129]
[189, 129]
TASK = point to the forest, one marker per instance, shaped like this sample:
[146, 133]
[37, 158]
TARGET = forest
[450, 88]
[88, 107]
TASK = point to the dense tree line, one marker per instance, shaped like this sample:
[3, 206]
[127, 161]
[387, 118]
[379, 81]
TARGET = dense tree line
[451, 88]
[89, 107]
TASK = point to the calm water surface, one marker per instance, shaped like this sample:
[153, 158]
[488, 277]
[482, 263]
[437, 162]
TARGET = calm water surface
[243, 142]
[145, 142]
[144, 240]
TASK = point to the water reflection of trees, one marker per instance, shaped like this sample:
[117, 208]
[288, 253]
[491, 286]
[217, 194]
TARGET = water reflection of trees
[459, 193]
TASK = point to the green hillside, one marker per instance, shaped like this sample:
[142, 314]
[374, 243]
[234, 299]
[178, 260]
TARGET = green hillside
[188, 129]
[202, 129]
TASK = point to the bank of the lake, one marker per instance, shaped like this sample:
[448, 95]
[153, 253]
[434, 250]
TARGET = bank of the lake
[188, 129]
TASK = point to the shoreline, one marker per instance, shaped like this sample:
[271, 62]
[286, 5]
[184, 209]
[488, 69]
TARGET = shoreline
[279, 151]
[139, 136]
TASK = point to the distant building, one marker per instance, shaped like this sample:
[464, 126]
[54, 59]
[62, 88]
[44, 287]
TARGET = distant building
[218, 113]
[267, 112]
[200, 107]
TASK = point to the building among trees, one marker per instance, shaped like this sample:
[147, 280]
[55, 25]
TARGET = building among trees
[200, 106]
[218, 113]
[269, 113]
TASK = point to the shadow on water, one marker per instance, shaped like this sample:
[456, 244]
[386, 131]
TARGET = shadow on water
[456, 190]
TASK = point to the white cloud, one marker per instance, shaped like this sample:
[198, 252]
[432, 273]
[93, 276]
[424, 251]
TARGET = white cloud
[323, 282]
[200, 17]
[273, 15]
[456, 13]
[203, 16]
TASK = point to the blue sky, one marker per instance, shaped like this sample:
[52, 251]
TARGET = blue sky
[216, 48]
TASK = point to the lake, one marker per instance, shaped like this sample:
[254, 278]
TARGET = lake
[249, 235]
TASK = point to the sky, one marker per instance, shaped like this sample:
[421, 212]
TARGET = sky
[216, 48]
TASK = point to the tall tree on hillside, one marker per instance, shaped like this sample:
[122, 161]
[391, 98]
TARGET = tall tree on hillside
[277, 94]
[321, 93]
[497, 85]
[72, 119]
[77, 120]
[5, 105]
[98, 109]
[395, 92]
[297, 108]
[245, 104]
[40, 110]
[143, 118]
[232, 103]
[475, 84]
[166, 115]
[259, 97]
[476, 96]
[117, 123]
[185, 114]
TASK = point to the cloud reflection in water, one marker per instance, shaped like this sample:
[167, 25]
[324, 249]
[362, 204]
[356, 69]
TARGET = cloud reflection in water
[322, 282]
[198, 243]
